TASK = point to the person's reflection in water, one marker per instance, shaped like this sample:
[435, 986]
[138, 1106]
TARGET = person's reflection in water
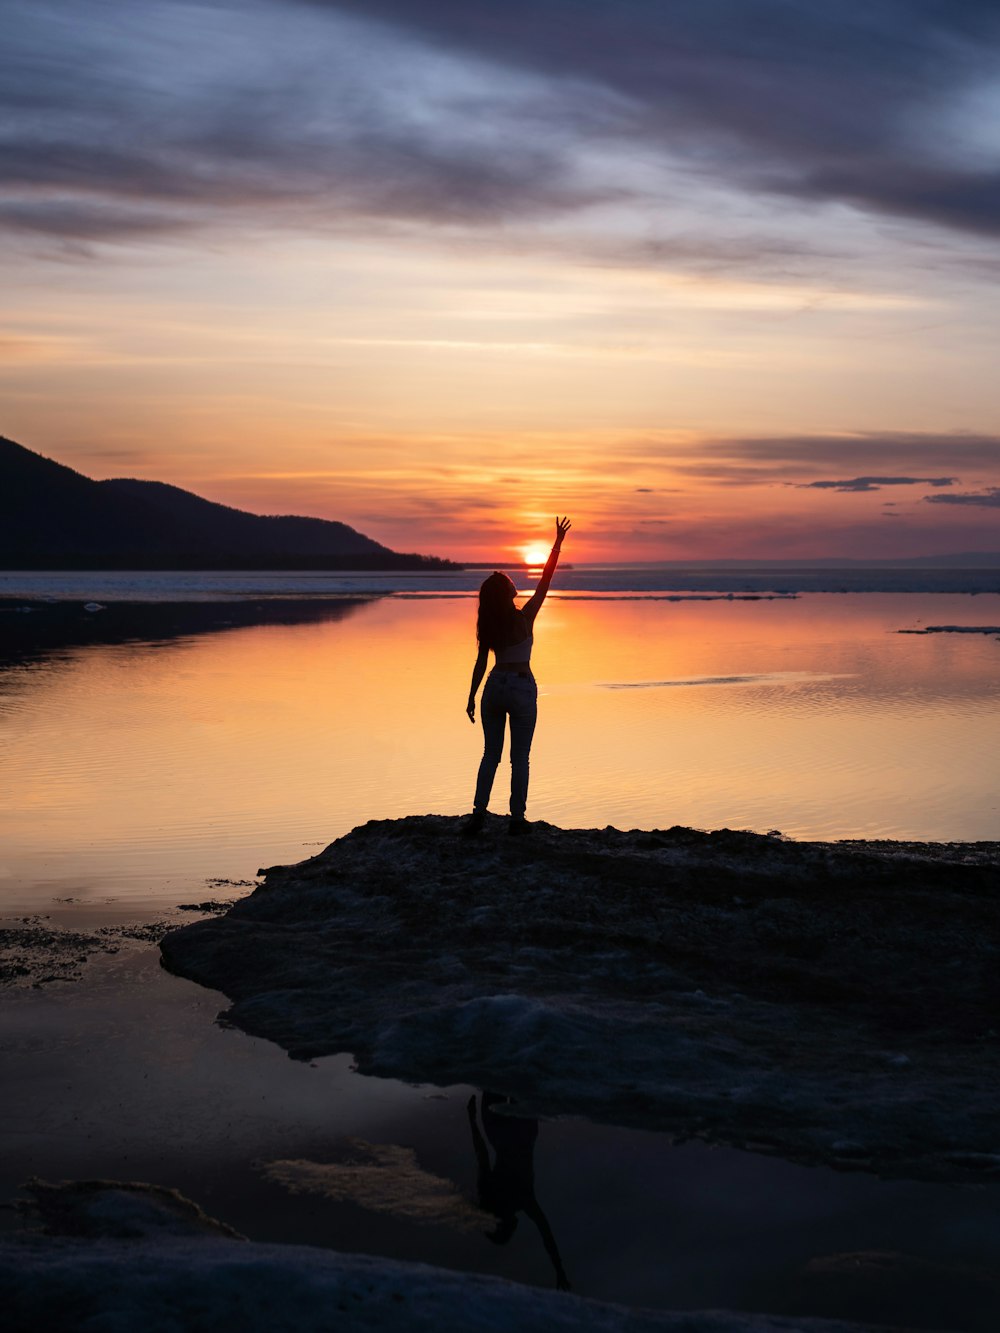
[508, 1186]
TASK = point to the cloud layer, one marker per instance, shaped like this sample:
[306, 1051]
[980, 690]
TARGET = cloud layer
[122, 119]
[987, 499]
[681, 266]
[877, 103]
[856, 484]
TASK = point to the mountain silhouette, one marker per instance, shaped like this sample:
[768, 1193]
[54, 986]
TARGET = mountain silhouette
[52, 517]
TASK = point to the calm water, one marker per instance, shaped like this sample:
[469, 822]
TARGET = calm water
[137, 770]
[132, 766]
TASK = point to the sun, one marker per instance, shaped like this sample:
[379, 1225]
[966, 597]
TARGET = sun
[535, 553]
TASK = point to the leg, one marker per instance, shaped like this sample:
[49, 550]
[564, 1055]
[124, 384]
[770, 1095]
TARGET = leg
[493, 716]
[523, 708]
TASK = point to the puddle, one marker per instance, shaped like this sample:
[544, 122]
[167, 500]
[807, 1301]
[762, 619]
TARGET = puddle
[125, 1075]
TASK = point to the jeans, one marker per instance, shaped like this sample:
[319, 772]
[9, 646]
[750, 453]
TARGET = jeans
[507, 694]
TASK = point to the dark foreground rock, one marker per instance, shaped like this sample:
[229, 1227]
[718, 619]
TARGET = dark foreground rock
[834, 1003]
[123, 1257]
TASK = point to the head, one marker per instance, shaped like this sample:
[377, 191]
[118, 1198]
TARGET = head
[496, 609]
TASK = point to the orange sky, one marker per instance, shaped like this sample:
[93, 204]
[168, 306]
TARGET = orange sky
[547, 304]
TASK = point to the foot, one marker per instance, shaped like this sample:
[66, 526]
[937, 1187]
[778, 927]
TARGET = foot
[518, 825]
[473, 824]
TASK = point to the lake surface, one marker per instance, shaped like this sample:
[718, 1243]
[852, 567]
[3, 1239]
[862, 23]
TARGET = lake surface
[147, 753]
[188, 754]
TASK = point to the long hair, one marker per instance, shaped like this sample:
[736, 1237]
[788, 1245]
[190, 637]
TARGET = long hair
[495, 622]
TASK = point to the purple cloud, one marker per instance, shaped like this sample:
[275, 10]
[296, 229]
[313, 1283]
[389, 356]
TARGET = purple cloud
[987, 499]
[855, 484]
[454, 112]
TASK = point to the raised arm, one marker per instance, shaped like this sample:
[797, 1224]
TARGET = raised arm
[532, 607]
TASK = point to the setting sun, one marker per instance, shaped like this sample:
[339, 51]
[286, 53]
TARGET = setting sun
[535, 553]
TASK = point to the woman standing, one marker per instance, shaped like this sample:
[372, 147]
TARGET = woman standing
[507, 631]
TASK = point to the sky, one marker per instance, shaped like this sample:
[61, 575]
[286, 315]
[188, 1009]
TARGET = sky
[718, 278]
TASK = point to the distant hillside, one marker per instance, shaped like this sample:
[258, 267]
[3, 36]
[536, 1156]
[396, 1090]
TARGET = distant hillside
[54, 518]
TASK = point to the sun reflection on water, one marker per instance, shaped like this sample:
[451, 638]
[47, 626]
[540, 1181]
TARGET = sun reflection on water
[213, 754]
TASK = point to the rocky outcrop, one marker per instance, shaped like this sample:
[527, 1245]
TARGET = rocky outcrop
[833, 1003]
[124, 1256]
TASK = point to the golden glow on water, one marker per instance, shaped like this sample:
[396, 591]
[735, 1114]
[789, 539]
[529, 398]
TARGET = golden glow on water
[135, 769]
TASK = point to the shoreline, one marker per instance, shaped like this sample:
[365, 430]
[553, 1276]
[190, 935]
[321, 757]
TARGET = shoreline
[830, 1003]
[93, 1262]
[233, 585]
[48, 937]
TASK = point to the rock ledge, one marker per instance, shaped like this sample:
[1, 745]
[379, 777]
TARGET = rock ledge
[831, 1002]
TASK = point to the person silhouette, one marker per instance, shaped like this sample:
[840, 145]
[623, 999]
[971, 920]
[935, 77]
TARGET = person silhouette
[507, 1186]
[510, 691]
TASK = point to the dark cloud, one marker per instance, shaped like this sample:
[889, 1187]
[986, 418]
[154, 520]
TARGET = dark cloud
[967, 200]
[827, 102]
[121, 118]
[902, 453]
[89, 220]
[901, 457]
[733, 473]
[875, 483]
[154, 118]
[987, 499]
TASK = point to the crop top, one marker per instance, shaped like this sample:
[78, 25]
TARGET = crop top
[516, 652]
